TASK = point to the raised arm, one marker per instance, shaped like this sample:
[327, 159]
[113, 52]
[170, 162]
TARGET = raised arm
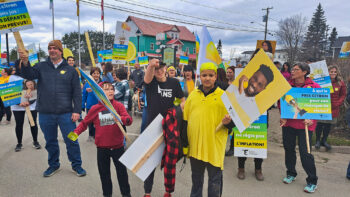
[153, 64]
[27, 71]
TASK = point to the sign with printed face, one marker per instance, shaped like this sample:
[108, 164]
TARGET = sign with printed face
[14, 17]
[307, 103]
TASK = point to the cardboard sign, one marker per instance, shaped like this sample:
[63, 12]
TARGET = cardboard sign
[33, 54]
[121, 40]
[11, 93]
[143, 61]
[307, 103]
[145, 154]
[229, 63]
[104, 56]
[14, 17]
[184, 60]
[168, 56]
[256, 88]
[319, 74]
[345, 50]
[252, 142]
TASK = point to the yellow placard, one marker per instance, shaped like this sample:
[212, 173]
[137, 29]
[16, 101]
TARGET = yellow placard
[131, 54]
[248, 143]
[89, 48]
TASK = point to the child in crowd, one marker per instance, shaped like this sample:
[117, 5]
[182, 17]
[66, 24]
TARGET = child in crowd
[203, 112]
[108, 139]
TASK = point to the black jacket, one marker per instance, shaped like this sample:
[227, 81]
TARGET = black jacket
[59, 89]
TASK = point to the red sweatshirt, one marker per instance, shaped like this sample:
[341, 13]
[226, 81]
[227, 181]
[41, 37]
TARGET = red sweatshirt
[337, 97]
[108, 134]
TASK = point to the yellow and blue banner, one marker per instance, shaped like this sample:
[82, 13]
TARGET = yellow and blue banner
[14, 17]
[143, 61]
[104, 56]
[11, 93]
[307, 103]
[184, 60]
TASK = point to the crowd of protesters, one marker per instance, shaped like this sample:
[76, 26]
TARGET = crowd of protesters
[53, 92]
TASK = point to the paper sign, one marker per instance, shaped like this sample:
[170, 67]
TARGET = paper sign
[14, 17]
[121, 40]
[104, 56]
[168, 56]
[140, 147]
[256, 88]
[184, 60]
[345, 50]
[319, 74]
[252, 142]
[33, 54]
[307, 103]
[143, 60]
[11, 93]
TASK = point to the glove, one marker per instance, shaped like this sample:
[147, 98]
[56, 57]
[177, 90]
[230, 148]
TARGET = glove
[185, 150]
[73, 136]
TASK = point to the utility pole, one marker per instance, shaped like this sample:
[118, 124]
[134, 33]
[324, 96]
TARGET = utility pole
[266, 18]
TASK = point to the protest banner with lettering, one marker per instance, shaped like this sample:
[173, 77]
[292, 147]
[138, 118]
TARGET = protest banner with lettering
[184, 60]
[307, 103]
[14, 17]
[256, 88]
[11, 93]
[145, 154]
[143, 61]
[319, 74]
[104, 56]
[121, 40]
[168, 56]
[345, 50]
[252, 142]
[33, 54]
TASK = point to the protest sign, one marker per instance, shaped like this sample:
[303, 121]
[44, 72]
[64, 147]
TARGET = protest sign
[33, 54]
[11, 93]
[319, 74]
[168, 56]
[145, 154]
[307, 103]
[207, 51]
[256, 88]
[184, 60]
[252, 142]
[121, 40]
[143, 61]
[14, 17]
[229, 63]
[67, 52]
[104, 56]
[345, 50]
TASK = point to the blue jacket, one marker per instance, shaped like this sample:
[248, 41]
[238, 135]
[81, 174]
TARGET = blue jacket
[59, 88]
[89, 98]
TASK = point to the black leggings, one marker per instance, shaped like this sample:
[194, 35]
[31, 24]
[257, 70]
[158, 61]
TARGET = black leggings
[324, 128]
[19, 118]
[257, 162]
[5, 110]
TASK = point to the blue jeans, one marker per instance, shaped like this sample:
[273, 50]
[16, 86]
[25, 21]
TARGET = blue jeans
[48, 124]
[348, 172]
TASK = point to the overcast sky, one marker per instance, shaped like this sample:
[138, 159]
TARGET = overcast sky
[233, 14]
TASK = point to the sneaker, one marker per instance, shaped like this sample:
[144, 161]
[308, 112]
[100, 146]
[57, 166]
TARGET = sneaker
[18, 147]
[50, 171]
[80, 171]
[289, 179]
[36, 145]
[310, 188]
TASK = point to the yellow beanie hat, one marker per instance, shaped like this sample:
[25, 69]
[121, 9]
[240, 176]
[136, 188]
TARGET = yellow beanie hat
[170, 68]
[208, 66]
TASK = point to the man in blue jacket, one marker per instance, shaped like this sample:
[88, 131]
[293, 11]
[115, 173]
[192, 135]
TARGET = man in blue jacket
[58, 104]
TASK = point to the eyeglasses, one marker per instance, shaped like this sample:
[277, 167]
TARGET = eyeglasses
[295, 69]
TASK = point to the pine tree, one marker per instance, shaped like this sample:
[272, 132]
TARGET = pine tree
[316, 37]
[219, 48]
[332, 39]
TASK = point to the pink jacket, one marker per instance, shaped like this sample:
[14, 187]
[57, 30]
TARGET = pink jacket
[298, 123]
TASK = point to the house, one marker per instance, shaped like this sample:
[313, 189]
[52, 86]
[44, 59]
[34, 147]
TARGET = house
[154, 35]
[338, 44]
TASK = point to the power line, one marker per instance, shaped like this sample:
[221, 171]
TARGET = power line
[138, 12]
[162, 9]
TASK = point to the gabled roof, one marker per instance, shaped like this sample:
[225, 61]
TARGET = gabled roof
[175, 41]
[339, 41]
[151, 28]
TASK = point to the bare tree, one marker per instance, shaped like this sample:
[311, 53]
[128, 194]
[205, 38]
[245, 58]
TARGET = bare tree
[291, 34]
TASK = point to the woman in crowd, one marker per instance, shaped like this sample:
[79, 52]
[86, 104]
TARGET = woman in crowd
[5, 76]
[221, 79]
[348, 119]
[89, 99]
[107, 73]
[285, 70]
[293, 128]
[230, 74]
[29, 96]
[188, 80]
[337, 99]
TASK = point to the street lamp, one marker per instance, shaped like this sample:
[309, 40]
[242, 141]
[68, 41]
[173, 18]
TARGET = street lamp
[138, 34]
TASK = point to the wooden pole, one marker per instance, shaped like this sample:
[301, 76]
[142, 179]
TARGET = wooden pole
[148, 154]
[307, 138]
[29, 113]
[90, 50]
[128, 69]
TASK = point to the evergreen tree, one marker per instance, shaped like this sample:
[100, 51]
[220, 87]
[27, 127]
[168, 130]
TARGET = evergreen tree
[332, 39]
[219, 48]
[314, 45]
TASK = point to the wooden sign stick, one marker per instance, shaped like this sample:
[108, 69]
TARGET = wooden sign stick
[21, 47]
[148, 154]
[307, 138]
[29, 113]
[121, 128]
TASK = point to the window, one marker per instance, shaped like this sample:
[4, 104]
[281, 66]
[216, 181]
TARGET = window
[152, 46]
[194, 50]
[187, 50]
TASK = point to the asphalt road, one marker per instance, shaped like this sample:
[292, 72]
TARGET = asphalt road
[21, 172]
